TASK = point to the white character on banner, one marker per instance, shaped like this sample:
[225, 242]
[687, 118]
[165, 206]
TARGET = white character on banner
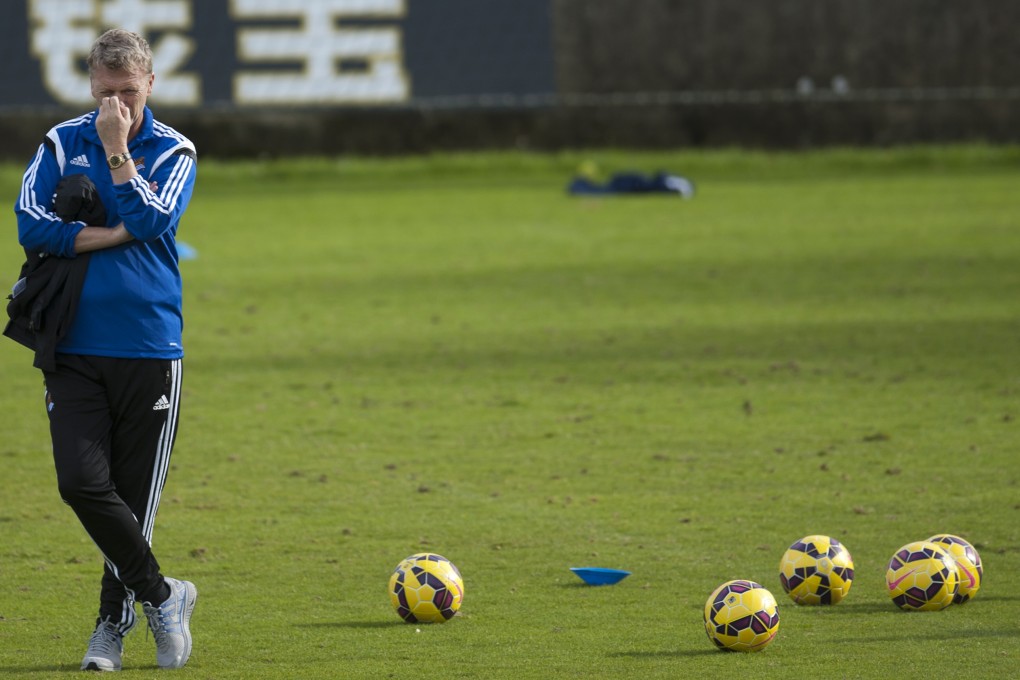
[170, 51]
[320, 45]
[63, 32]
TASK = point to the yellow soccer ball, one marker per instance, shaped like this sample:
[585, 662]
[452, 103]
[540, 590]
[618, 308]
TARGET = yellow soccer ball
[741, 616]
[968, 562]
[426, 588]
[816, 570]
[922, 576]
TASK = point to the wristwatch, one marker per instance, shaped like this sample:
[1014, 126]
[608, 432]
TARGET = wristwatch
[118, 159]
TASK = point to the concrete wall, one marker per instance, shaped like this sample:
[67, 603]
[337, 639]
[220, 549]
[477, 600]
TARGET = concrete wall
[908, 70]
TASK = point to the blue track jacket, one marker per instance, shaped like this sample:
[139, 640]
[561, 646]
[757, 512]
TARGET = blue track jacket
[130, 304]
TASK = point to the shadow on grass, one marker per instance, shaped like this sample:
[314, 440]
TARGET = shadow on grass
[890, 608]
[954, 634]
[855, 607]
[876, 608]
[579, 585]
[665, 654]
[994, 598]
[352, 624]
[25, 671]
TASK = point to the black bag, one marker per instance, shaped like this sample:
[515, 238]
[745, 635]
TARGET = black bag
[44, 300]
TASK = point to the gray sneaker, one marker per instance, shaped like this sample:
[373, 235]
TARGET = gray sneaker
[169, 624]
[105, 648]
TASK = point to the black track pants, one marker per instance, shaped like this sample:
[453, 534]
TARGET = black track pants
[113, 424]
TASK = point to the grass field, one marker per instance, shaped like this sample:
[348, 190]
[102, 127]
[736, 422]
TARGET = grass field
[450, 354]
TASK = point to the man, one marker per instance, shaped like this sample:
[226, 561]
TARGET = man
[112, 397]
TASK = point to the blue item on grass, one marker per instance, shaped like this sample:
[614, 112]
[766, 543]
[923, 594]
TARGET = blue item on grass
[600, 576]
[634, 183]
[185, 252]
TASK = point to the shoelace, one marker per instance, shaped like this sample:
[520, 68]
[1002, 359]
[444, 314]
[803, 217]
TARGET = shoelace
[105, 639]
[157, 625]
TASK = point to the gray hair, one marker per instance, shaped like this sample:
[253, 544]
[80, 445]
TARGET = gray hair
[120, 50]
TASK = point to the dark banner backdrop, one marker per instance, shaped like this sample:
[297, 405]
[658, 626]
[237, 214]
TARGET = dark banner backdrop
[229, 54]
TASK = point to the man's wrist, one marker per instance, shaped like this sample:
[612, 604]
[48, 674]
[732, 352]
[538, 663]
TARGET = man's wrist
[119, 146]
